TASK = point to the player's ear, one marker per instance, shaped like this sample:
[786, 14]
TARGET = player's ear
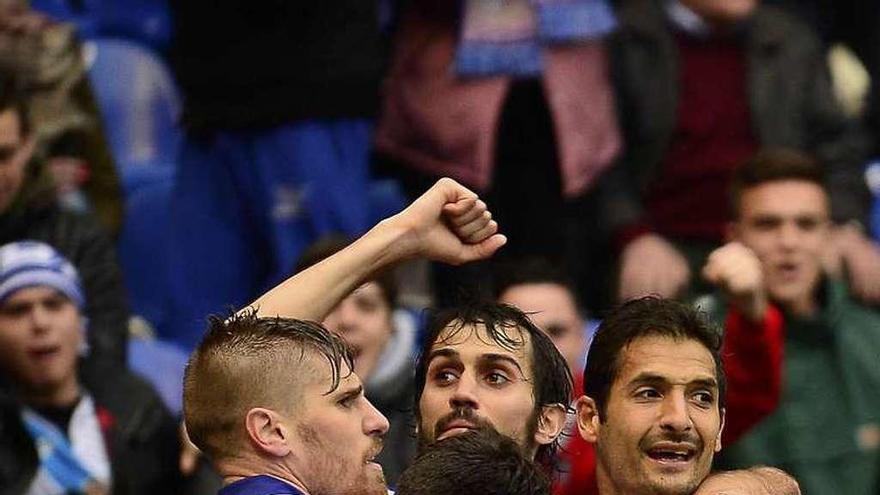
[720, 431]
[268, 431]
[588, 420]
[551, 422]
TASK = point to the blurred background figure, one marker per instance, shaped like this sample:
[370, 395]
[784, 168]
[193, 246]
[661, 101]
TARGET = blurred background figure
[826, 428]
[702, 84]
[91, 429]
[29, 209]
[512, 99]
[278, 101]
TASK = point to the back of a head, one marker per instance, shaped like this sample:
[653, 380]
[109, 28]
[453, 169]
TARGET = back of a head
[774, 165]
[481, 462]
[644, 317]
[247, 361]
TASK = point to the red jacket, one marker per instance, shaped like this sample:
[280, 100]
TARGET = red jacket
[753, 364]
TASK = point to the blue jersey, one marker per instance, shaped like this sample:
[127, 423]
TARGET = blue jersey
[259, 485]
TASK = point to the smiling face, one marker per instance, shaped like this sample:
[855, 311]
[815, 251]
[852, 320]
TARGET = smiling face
[786, 224]
[472, 381]
[662, 423]
[40, 337]
[336, 436]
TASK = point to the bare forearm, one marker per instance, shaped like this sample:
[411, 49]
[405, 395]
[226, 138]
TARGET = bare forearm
[313, 293]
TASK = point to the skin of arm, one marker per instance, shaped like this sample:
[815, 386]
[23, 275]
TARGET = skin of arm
[448, 223]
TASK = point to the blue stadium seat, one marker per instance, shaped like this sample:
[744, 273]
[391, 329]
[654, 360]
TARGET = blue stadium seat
[143, 253]
[145, 21]
[162, 364]
[138, 99]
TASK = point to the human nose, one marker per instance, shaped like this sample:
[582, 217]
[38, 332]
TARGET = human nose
[674, 414]
[375, 423]
[789, 236]
[464, 394]
[40, 319]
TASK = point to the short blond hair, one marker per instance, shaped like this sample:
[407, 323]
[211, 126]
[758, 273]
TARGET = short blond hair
[244, 362]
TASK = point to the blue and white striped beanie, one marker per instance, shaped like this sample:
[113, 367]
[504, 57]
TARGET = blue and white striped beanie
[32, 264]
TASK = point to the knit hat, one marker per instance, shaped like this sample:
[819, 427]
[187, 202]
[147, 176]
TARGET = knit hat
[31, 264]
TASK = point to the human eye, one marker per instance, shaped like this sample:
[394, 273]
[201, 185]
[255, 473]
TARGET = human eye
[703, 398]
[647, 393]
[497, 378]
[444, 377]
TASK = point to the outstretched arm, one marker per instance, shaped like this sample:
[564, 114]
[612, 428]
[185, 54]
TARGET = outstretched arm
[448, 223]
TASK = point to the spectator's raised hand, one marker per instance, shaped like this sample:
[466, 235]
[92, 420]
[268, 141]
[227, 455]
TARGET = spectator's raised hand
[736, 270]
[652, 265]
[851, 250]
[448, 223]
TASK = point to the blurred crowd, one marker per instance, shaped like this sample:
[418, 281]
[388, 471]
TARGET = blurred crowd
[161, 161]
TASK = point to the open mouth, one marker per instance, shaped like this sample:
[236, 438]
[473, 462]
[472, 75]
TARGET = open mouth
[672, 454]
[44, 352]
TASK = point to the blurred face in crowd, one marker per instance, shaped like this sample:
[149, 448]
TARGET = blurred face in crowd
[721, 12]
[337, 436]
[363, 320]
[786, 223]
[473, 382]
[662, 423]
[40, 337]
[15, 151]
[553, 309]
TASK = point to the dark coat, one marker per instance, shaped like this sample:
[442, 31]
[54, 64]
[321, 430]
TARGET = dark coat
[790, 101]
[140, 434]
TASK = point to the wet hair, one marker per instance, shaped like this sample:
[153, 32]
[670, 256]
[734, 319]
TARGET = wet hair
[331, 244]
[14, 97]
[245, 361]
[479, 462]
[774, 165]
[552, 381]
[645, 317]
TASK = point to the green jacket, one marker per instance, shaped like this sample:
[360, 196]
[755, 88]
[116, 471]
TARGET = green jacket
[826, 431]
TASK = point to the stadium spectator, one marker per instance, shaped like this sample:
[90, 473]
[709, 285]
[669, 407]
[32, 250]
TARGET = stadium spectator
[513, 100]
[826, 429]
[72, 429]
[702, 84]
[29, 210]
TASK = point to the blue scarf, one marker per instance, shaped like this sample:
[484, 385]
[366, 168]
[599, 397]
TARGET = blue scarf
[507, 37]
[56, 454]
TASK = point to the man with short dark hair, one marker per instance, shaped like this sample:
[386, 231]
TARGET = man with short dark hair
[479, 462]
[826, 428]
[654, 402]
